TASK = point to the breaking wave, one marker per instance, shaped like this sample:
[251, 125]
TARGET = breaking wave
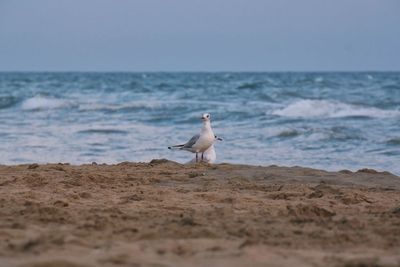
[331, 109]
[44, 103]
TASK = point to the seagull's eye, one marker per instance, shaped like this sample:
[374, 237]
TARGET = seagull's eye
[208, 116]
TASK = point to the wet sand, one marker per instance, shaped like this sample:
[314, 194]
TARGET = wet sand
[167, 214]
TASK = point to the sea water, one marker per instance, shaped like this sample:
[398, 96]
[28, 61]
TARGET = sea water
[330, 121]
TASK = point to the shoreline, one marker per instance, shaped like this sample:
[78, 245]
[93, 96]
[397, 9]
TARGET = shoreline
[164, 213]
[365, 169]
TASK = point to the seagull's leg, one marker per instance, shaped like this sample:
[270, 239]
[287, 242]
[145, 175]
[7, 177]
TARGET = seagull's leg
[202, 156]
[197, 156]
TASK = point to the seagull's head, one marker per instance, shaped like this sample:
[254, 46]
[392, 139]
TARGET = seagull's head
[206, 117]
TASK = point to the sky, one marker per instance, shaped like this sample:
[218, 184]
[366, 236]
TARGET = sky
[199, 35]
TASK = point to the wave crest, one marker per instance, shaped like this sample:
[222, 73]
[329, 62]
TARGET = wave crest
[330, 109]
[43, 103]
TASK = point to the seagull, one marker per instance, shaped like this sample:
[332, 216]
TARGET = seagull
[209, 156]
[199, 143]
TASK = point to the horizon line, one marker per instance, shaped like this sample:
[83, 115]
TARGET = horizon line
[194, 71]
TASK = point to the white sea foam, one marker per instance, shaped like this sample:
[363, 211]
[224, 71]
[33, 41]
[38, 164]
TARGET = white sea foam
[319, 80]
[116, 106]
[331, 109]
[43, 103]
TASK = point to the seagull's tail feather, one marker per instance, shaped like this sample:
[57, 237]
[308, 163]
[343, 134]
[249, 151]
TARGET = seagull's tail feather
[176, 147]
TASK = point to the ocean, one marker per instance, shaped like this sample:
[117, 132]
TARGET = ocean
[331, 121]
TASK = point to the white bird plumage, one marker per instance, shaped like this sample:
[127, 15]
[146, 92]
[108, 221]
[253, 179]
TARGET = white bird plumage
[199, 143]
[209, 156]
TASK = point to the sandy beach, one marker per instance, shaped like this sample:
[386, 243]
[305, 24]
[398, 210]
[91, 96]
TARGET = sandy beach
[166, 214]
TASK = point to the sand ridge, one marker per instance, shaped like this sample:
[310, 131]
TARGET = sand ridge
[166, 214]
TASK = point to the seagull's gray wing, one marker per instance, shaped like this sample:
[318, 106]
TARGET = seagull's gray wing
[192, 141]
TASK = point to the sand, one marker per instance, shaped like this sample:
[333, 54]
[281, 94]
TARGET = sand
[167, 214]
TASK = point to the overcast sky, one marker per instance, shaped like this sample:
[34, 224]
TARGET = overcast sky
[199, 35]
